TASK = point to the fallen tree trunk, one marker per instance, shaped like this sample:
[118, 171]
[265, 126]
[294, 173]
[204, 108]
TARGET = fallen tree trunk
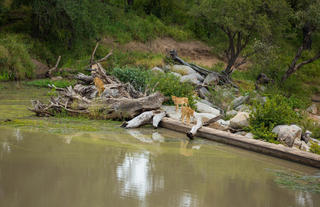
[142, 119]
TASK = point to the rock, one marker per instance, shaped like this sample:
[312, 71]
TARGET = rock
[157, 69]
[206, 102]
[211, 79]
[297, 143]
[288, 134]
[182, 69]
[306, 136]
[313, 109]
[56, 78]
[305, 147]
[41, 69]
[242, 133]
[220, 125]
[249, 135]
[243, 108]
[203, 93]
[231, 113]
[193, 78]
[239, 101]
[223, 122]
[171, 112]
[204, 108]
[204, 116]
[240, 121]
[176, 74]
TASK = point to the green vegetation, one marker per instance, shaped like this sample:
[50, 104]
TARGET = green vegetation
[276, 111]
[315, 148]
[46, 82]
[15, 61]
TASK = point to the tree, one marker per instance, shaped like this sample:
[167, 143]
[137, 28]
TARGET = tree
[308, 18]
[242, 22]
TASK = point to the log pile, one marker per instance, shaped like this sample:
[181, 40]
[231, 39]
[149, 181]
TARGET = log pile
[119, 101]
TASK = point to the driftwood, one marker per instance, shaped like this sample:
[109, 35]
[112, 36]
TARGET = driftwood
[52, 70]
[200, 124]
[148, 117]
[118, 101]
[224, 78]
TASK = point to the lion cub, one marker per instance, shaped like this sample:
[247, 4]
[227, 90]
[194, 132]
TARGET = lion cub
[99, 85]
[186, 112]
[180, 101]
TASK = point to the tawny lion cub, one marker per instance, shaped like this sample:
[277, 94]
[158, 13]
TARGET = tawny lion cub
[99, 85]
[186, 112]
[180, 101]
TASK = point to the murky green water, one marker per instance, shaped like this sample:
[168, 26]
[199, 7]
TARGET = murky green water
[78, 162]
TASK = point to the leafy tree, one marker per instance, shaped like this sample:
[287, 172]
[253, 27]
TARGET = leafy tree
[242, 22]
[307, 22]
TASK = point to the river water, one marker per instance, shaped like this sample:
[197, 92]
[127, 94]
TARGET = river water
[78, 162]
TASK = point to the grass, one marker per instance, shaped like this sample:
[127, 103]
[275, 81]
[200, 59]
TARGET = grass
[45, 82]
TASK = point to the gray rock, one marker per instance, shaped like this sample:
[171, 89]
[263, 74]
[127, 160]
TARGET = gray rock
[223, 123]
[204, 116]
[306, 136]
[204, 108]
[211, 79]
[203, 93]
[157, 69]
[193, 78]
[249, 135]
[242, 133]
[313, 109]
[176, 74]
[231, 113]
[305, 147]
[288, 134]
[239, 101]
[297, 143]
[243, 108]
[206, 102]
[240, 121]
[182, 69]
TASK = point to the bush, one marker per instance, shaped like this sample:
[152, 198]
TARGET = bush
[265, 117]
[136, 76]
[315, 148]
[15, 61]
[170, 85]
[46, 82]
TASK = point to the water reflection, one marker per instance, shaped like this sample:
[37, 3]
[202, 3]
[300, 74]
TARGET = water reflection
[135, 177]
[304, 199]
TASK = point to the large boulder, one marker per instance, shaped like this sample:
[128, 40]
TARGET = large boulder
[206, 102]
[176, 74]
[204, 116]
[211, 79]
[288, 134]
[182, 69]
[204, 108]
[240, 121]
[239, 101]
[231, 113]
[193, 78]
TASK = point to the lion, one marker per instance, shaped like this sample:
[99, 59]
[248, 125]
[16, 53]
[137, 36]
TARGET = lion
[180, 101]
[99, 85]
[186, 112]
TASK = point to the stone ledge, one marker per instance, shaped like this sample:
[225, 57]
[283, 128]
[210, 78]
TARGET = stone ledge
[275, 150]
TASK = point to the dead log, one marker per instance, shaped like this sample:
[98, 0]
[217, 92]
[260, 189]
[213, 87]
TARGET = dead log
[142, 119]
[84, 78]
[207, 123]
[52, 70]
[195, 128]
[157, 119]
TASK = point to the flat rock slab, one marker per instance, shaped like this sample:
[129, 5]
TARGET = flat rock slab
[275, 150]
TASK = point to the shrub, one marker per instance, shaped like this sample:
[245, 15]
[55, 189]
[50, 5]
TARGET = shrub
[315, 148]
[170, 85]
[136, 76]
[15, 61]
[265, 117]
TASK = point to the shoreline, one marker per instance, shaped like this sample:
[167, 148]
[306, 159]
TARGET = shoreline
[286, 153]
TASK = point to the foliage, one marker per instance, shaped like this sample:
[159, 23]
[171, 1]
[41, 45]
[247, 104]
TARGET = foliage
[222, 96]
[170, 85]
[136, 76]
[15, 61]
[46, 82]
[276, 111]
[315, 148]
